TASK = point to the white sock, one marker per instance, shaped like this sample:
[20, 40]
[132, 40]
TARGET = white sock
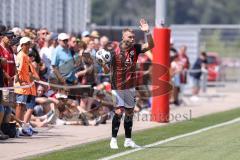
[114, 138]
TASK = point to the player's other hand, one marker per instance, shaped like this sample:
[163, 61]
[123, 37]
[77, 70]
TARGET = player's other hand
[144, 25]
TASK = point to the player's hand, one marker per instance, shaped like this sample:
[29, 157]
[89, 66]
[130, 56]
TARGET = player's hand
[144, 25]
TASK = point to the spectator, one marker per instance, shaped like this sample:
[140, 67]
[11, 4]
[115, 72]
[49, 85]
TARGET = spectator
[17, 31]
[46, 54]
[94, 34]
[184, 60]
[25, 76]
[85, 37]
[86, 74]
[72, 44]
[95, 37]
[7, 53]
[63, 62]
[198, 67]
[103, 42]
[176, 68]
[2, 135]
[42, 35]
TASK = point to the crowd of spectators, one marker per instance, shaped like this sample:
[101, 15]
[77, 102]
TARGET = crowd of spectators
[37, 71]
[37, 66]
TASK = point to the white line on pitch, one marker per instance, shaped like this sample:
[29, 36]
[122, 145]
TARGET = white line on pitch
[170, 139]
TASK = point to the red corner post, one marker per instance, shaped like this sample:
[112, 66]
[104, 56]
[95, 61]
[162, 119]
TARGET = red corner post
[160, 78]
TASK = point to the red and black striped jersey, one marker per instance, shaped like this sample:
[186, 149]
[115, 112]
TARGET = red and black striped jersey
[123, 67]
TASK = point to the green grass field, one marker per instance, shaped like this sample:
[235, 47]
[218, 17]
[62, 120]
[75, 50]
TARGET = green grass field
[219, 143]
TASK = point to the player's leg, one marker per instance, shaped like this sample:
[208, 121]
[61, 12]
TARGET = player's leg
[129, 103]
[116, 121]
[128, 122]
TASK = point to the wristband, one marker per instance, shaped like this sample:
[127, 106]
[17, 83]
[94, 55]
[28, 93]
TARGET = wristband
[147, 33]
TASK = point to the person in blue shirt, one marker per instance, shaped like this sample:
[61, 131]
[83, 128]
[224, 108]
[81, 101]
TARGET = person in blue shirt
[63, 61]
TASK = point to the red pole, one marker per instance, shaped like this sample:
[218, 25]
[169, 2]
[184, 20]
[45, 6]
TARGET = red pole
[160, 75]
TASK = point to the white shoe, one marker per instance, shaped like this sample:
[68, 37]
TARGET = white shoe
[51, 117]
[194, 98]
[130, 143]
[60, 122]
[113, 143]
[61, 96]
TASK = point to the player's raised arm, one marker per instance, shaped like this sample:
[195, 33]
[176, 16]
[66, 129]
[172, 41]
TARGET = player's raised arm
[145, 28]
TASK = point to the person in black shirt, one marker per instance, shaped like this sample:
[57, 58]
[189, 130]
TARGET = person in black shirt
[196, 73]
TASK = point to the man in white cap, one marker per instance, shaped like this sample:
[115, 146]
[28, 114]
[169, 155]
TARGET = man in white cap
[63, 61]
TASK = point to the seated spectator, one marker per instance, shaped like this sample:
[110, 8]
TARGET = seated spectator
[3, 113]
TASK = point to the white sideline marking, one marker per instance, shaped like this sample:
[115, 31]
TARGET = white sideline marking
[171, 139]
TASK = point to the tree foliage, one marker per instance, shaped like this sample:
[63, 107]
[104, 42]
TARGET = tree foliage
[127, 12]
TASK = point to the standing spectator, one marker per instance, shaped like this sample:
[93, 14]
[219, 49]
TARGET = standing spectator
[63, 62]
[42, 35]
[72, 44]
[85, 37]
[184, 60]
[25, 76]
[6, 52]
[103, 42]
[94, 34]
[86, 74]
[198, 67]
[95, 37]
[122, 67]
[2, 135]
[176, 68]
[46, 53]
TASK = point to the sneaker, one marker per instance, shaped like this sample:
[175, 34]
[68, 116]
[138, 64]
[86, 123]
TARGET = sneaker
[51, 112]
[34, 130]
[194, 98]
[3, 136]
[130, 143]
[113, 143]
[51, 117]
[61, 96]
[60, 122]
[26, 129]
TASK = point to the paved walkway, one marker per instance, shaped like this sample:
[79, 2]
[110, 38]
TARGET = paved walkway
[60, 137]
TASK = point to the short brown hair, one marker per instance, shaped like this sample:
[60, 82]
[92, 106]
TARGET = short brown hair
[127, 30]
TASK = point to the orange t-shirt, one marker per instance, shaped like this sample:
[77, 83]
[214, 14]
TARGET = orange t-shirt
[24, 67]
[35, 74]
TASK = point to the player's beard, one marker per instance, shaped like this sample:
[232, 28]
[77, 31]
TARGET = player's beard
[128, 44]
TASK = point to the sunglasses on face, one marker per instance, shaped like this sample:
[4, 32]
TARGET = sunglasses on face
[45, 33]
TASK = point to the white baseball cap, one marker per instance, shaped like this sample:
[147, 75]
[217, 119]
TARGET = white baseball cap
[85, 34]
[63, 36]
[24, 40]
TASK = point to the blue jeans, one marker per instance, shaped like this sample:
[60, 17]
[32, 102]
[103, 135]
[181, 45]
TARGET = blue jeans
[21, 99]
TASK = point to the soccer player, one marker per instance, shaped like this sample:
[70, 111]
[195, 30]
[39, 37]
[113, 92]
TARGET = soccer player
[123, 78]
